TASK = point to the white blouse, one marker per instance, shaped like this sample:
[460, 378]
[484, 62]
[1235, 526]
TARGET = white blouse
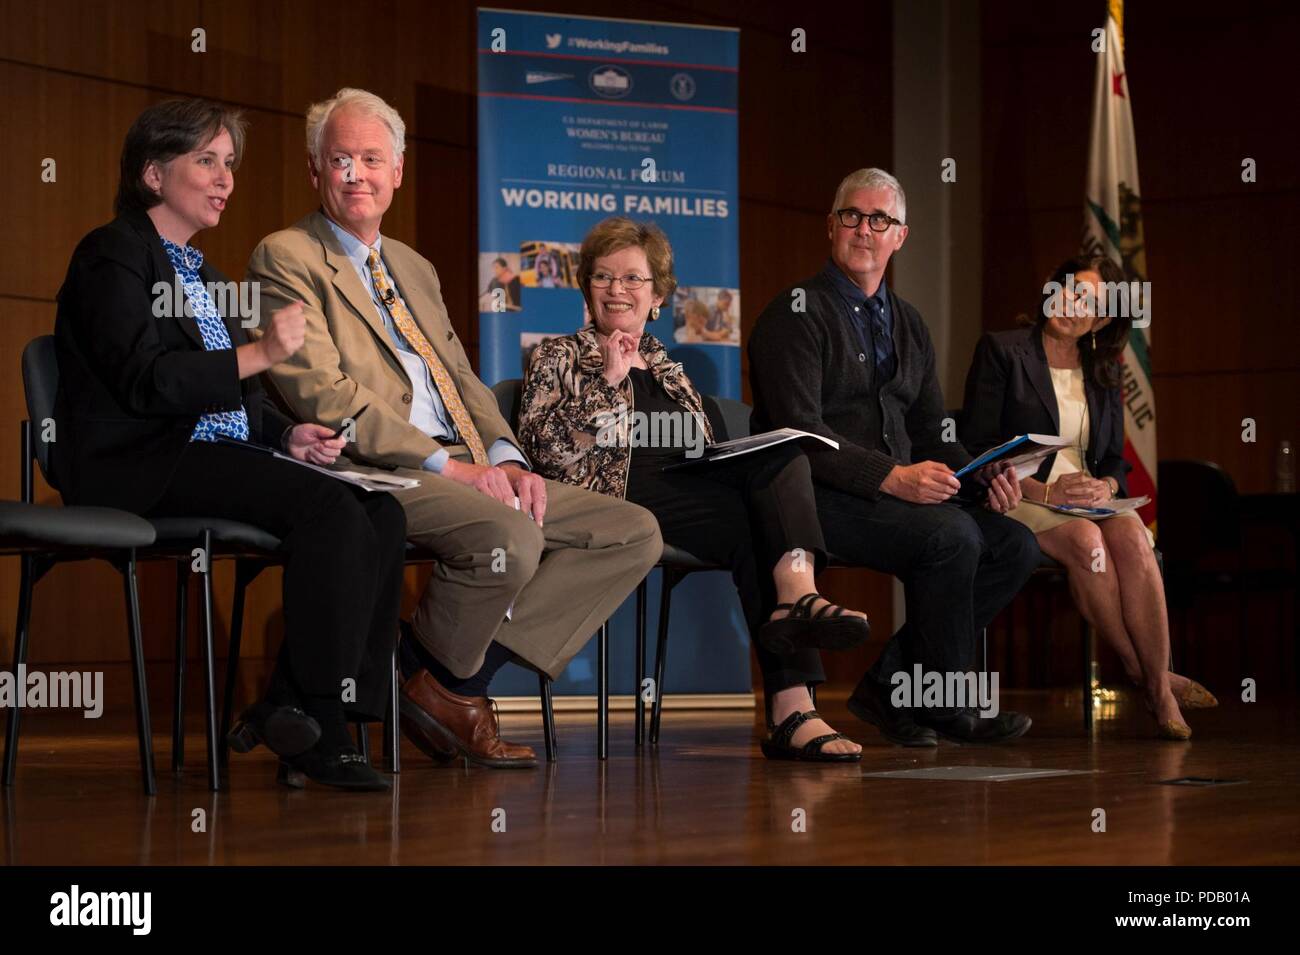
[1072, 406]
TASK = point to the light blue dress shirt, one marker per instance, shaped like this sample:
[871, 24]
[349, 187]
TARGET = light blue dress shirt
[428, 413]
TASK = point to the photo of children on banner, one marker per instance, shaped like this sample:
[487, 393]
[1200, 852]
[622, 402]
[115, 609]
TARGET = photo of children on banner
[547, 264]
[704, 315]
[498, 277]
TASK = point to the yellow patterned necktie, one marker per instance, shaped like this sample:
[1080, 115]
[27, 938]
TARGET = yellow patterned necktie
[415, 338]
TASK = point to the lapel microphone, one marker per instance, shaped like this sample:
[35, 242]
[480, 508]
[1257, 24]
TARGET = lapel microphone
[390, 297]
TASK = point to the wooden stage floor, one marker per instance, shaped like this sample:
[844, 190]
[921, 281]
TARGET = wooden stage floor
[705, 795]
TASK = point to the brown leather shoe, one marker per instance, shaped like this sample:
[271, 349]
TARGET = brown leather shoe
[441, 722]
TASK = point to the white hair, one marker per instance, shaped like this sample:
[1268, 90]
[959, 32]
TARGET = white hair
[871, 179]
[364, 102]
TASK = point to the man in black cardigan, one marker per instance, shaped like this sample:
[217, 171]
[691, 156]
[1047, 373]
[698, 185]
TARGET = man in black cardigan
[842, 356]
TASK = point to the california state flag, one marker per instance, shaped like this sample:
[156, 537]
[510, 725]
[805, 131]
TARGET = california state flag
[1113, 227]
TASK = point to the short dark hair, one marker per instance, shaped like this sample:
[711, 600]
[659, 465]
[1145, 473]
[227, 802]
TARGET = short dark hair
[164, 131]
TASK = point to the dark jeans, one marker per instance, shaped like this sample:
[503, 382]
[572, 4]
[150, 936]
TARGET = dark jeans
[745, 514]
[959, 563]
[344, 550]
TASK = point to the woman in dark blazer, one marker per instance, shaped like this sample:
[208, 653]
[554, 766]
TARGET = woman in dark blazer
[156, 378]
[754, 514]
[1061, 376]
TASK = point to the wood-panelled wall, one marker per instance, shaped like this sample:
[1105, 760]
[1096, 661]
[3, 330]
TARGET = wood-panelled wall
[76, 73]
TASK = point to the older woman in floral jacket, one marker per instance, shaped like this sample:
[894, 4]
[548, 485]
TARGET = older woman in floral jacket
[606, 409]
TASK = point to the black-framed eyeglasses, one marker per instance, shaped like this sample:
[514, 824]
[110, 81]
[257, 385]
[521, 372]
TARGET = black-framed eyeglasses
[878, 221]
[631, 282]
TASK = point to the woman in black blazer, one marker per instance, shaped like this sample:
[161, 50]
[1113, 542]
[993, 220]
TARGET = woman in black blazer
[156, 377]
[1061, 376]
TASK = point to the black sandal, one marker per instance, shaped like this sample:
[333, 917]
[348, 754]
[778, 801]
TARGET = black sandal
[830, 628]
[778, 745]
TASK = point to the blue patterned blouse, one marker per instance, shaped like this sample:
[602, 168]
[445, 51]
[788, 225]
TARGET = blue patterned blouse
[187, 261]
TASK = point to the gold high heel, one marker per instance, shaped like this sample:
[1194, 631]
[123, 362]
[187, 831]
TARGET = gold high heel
[1173, 730]
[1195, 697]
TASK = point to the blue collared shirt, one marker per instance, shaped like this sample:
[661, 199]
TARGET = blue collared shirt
[870, 316]
[428, 413]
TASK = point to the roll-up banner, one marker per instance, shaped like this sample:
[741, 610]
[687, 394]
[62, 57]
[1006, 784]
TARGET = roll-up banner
[582, 118]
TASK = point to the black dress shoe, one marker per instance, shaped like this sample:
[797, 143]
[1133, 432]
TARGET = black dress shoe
[343, 768]
[969, 727]
[286, 730]
[870, 703]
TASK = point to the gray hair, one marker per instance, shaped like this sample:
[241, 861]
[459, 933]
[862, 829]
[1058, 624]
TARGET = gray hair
[364, 102]
[871, 179]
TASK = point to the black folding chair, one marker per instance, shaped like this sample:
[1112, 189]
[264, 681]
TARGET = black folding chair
[176, 539]
[44, 536]
[1203, 535]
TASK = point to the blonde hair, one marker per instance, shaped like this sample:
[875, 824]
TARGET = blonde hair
[365, 103]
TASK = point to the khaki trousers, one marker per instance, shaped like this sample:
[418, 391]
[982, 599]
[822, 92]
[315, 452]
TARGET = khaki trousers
[560, 581]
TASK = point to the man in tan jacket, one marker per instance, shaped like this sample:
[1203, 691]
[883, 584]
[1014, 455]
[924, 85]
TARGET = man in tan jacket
[526, 568]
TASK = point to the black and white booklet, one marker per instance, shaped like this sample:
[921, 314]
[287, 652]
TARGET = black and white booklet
[368, 482]
[724, 450]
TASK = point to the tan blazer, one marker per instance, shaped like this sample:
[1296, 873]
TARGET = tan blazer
[348, 361]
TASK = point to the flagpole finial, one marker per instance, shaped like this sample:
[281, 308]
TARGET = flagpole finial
[1117, 14]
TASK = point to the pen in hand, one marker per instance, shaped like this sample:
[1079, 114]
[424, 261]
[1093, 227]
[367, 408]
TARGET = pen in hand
[339, 432]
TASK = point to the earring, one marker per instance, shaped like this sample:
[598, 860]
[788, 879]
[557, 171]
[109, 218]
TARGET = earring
[1094, 341]
[654, 313]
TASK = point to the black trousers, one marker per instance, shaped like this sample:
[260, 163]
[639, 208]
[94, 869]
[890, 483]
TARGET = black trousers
[344, 553]
[744, 514]
[959, 563]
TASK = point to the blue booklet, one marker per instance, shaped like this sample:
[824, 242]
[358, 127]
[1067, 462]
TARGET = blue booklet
[1021, 454]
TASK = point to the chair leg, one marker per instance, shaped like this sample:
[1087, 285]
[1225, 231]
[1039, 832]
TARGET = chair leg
[363, 740]
[1085, 637]
[392, 736]
[139, 683]
[21, 636]
[602, 692]
[209, 668]
[548, 715]
[1243, 626]
[637, 703]
[182, 652]
[245, 571]
[661, 650]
